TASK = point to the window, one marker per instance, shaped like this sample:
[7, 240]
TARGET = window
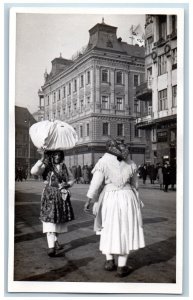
[137, 132]
[64, 92]
[58, 95]
[81, 81]
[104, 75]
[105, 128]
[162, 64]
[136, 80]
[174, 23]
[136, 106]
[75, 85]
[105, 102]
[48, 100]
[48, 116]
[162, 98]
[174, 58]
[120, 129]
[162, 27]
[59, 113]
[162, 137]
[120, 103]
[87, 129]
[81, 131]
[149, 43]
[64, 111]
[54, 99]
[75, 106]
[119, 77]
[69, 89]
[54, 115]
[88, 77]
[81, 105]
[174, 96]
[69, 109]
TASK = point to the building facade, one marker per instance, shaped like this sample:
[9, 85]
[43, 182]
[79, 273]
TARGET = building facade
[95, 93]
[25, 153]
[157, 95]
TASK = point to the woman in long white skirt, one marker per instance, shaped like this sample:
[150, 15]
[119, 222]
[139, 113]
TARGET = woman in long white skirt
[118, 209]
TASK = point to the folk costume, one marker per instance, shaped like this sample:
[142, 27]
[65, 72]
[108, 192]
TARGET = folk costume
[56, 209]
[118, 213]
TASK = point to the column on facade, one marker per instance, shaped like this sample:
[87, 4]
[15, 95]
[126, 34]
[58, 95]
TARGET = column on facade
[169, 24]
[169, 82]
[98, 100]
[112, 89]
[155, 29]
[126, 100]
[51, 105]
[155, 104]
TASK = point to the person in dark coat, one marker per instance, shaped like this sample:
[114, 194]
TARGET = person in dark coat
[144, 173]
[166, 176]
[78, 174]
[152, 173]
[173, 176]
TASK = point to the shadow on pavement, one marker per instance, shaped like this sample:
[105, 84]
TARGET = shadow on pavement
[152, 254]
[54, 275]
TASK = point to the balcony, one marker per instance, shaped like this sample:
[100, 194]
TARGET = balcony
[145, 118]
[144, 90]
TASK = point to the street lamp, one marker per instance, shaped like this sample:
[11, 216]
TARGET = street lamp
[27, 121]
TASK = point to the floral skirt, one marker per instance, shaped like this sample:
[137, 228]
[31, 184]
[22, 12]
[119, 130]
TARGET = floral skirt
[56, 207]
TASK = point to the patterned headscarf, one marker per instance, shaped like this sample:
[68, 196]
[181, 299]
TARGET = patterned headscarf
[117, 148]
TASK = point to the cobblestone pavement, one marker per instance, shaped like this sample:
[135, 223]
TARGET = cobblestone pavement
[80, 260]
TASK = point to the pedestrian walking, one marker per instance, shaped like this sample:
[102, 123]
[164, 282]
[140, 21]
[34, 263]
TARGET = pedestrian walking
[166, 176]
[56, 209]
[118, 214]
[160, 176]
[173, 176]
[144, 173]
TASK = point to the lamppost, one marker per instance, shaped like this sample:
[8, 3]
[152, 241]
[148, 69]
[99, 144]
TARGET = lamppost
[27, 121]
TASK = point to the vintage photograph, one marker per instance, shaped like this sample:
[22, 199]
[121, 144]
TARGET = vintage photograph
[96, 184]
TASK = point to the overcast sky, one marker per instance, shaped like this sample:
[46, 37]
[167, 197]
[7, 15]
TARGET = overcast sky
[42, 37]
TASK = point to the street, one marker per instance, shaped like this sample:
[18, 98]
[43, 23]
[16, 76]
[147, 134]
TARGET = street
[80, 260]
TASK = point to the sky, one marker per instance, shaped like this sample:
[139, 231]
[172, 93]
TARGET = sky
[42, 37]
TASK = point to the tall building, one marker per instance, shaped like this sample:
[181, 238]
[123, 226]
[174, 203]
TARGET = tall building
[25, 153]
[95, 92]
[157, 95]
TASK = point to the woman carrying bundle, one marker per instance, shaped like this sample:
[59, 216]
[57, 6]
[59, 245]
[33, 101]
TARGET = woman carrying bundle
[56, 209]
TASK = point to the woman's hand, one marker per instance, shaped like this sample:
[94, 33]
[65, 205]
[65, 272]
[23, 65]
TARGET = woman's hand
[42, 153]
[87, 205]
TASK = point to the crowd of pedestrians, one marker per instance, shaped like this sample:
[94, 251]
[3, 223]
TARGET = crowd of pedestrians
[164, 174]
[82, 174]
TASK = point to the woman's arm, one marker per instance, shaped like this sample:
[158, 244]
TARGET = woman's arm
[40, 166]
[95, 185]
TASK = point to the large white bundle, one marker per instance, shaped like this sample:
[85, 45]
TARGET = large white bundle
[57, 135]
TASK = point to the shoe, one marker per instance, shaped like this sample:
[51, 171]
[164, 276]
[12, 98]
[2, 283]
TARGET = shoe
[110, 265]
[51, 252]
[58, 246]
[123, 271]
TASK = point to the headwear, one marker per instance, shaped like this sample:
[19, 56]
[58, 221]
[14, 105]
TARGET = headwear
[117, 148]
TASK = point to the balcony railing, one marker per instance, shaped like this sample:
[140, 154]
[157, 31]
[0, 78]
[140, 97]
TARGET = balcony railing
[144, 90]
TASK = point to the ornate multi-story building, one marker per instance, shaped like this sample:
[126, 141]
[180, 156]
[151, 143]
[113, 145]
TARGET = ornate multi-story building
[95, 93]
[157, 95]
